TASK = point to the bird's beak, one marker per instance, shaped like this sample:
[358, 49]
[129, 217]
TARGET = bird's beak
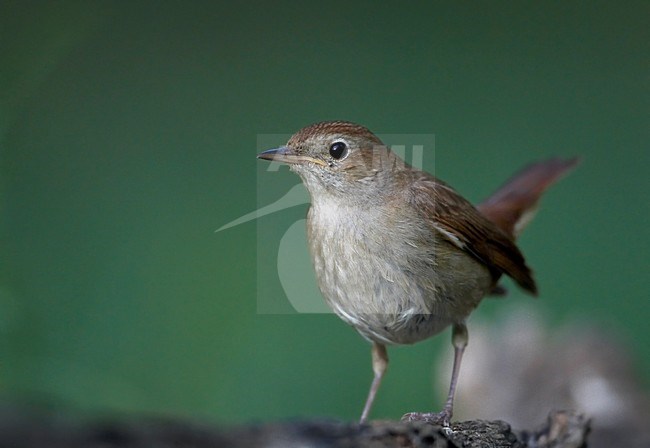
[286, 155]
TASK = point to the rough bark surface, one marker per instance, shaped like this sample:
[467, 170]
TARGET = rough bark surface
[562, 430]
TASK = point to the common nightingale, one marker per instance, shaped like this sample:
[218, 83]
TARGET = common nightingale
[399, 254]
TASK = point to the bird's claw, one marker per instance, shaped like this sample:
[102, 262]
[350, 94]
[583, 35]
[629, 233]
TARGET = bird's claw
[433, 418]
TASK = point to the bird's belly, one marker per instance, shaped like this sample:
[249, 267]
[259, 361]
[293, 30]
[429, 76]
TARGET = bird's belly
[380, 301]
[392, 290]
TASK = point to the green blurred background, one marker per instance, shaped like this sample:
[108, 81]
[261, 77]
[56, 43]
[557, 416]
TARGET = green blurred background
[128, 134]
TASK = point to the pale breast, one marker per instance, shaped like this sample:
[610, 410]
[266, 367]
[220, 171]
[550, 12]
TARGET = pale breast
[382, 273]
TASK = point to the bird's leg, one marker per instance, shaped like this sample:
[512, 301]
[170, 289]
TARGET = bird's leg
[459, 338]
[379, 365]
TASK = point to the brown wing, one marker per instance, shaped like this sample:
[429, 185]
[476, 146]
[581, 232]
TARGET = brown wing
[460, 223]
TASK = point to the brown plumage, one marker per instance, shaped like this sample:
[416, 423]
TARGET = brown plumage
[471, 231]
[513, 205]
[399, 254]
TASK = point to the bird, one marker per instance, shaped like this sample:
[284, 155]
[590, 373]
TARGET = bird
[399, 254]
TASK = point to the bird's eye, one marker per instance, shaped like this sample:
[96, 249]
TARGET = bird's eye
[338, 150]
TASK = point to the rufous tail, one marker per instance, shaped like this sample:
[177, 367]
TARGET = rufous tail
[514, 204]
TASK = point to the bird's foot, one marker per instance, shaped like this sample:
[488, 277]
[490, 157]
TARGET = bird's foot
[433, 418]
